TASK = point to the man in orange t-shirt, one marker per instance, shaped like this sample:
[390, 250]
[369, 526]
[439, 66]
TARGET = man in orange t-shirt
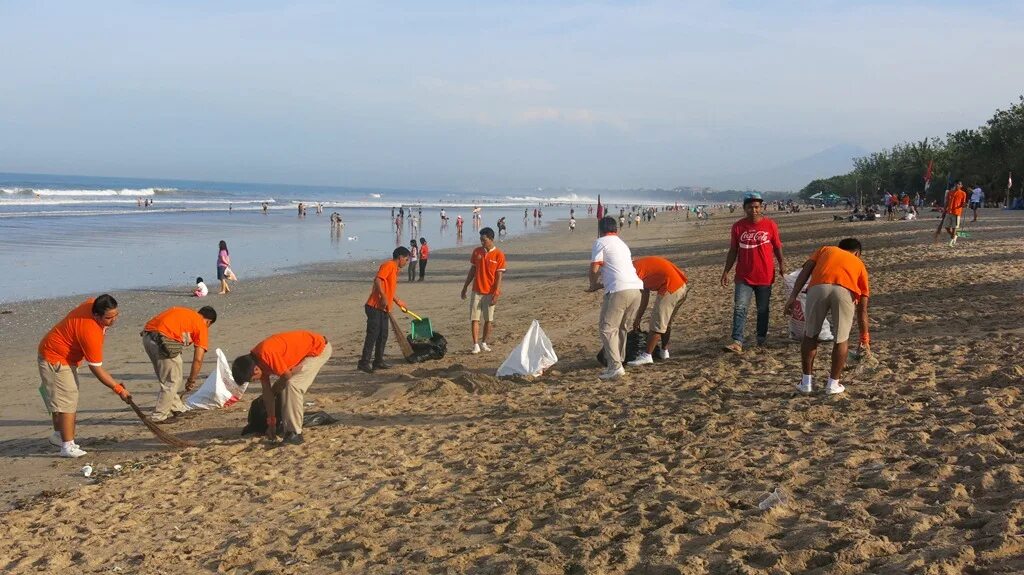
[486, 268]
[295, 357]
[838, 285]
[669, 282]
[163, 338]
[78, 336]
[955, 202]
[377, 308]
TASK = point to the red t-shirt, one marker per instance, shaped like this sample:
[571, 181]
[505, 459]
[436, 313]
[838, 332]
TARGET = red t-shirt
[424, 251]
[755, 244]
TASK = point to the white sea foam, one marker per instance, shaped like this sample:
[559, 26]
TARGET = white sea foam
[47, 192]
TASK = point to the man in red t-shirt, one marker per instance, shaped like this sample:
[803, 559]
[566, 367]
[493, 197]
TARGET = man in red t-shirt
[487, 266]
[377, 307]
[755, 239]
[78, 336]
[296, 358]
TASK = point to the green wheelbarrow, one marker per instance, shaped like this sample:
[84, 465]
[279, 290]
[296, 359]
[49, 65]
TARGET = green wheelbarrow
[421, 329]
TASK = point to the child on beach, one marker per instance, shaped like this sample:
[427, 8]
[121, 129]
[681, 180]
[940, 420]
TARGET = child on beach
[572, 224]
[201, 289]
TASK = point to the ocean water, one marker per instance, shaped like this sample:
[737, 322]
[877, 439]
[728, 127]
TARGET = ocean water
[66, 235]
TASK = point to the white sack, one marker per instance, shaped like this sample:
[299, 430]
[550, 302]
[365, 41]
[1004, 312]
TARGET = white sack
[219, 389]
[532, 356]
[796, 319]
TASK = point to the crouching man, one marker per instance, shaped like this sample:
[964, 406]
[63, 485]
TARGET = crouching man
[838, 286]
[295, 357]
[669, 282]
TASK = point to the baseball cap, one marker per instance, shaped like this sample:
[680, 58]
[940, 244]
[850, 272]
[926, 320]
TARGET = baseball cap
[752, 197]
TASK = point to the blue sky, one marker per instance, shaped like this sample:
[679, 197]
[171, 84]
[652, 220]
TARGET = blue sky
[487, 95]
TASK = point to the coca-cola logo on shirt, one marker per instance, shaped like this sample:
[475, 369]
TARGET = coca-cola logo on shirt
[753, 238]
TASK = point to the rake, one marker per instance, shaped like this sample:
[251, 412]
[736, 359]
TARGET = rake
[159, 433]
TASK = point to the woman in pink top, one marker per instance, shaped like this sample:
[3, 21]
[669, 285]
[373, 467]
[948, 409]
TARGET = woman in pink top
[223, 269]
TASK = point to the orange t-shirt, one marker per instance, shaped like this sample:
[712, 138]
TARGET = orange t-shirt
[488, 264]
[77, 336]
[388, 274]
[659, 274]
[283, 351]
[906, 200]
[424, 251]
[175, 322]
[834, 265]
[955, 202]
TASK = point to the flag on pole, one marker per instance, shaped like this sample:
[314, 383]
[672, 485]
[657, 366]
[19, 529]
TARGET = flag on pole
[928, 175]
[600, 208]
[1009, 182]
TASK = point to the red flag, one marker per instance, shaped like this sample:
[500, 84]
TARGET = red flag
[928, 173]
[600, 208]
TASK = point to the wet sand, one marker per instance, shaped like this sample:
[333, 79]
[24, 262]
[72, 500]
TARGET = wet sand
[439, 468]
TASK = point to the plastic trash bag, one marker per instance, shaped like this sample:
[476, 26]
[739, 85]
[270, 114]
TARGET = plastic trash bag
[219, 389]
[532, 356]
[796, 319]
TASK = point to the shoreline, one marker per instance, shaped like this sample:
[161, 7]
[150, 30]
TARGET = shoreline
[438, 466]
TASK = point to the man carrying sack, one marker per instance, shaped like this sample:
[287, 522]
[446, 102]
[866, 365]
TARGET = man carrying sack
[164, 338]
[296, 358]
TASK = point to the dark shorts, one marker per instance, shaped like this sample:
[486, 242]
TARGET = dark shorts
[220, 272]
[975, 205]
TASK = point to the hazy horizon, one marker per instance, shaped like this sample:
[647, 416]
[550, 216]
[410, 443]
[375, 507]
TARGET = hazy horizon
[467, 96]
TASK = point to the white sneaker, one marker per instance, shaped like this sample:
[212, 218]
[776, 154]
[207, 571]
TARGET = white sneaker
[834, 389]
[612, 374]
[664, 354]
[641, 359]
[72, 452]
[485, 347]
[55, 439]
[476, 349]
[805, 387]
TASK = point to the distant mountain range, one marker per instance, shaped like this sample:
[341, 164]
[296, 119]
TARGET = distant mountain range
[794, 175]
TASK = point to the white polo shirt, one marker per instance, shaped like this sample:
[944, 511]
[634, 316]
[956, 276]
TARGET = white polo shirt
[617, 271]
[977, 195]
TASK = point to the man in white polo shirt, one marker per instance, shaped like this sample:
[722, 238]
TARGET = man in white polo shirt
[612, 263]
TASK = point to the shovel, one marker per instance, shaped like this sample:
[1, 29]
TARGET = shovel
[421, 329]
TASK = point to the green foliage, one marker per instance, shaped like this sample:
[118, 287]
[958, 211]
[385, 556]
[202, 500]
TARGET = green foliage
[981, 156]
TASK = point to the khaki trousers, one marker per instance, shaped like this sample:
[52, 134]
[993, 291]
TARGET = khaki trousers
[293, 395]
[617, 312]
[169, 374]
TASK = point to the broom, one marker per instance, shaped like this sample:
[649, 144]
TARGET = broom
[159, 433]
[402, 341]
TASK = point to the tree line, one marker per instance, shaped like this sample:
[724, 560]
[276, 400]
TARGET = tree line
[984, 156]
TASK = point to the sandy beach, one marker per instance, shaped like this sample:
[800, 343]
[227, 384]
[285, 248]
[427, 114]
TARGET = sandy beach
[441, 468]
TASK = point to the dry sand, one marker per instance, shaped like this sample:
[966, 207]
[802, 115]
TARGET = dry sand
[439, 468]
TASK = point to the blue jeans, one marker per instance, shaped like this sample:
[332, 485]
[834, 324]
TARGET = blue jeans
[763, 296]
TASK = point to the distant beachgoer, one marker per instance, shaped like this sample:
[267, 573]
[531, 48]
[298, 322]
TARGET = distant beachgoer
[414, 251]
[458, 224]
[572, 224]
[954, 207]
[754, 240]
[502, 228]
[669, 282]
[977, 197]
[224, 272]
[377, 307]
[163, 338]
[611, 267]
[622, 221]
[264, 206]
[296, 358]
[424, 254]
[76, 337]
[486, 268]
[201, 289]
[838, 287]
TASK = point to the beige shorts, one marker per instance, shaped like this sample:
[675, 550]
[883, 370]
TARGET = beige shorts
[826, 299]
[951, 221]
[665, 309]
[480, 307]
[59, 388]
